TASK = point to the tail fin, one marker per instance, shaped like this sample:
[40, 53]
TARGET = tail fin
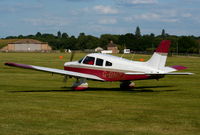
[159, 57]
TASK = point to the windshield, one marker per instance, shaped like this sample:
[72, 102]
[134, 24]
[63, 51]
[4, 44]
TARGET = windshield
[89, 60]
[80, 60]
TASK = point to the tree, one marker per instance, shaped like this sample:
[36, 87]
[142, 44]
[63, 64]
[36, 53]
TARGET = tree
[59, 35]
[163, 34]
[38, 34]
[128, 40]
[135, 42]
[137, 32]
[82, 34]
[72, 43]
[92, 42]
[106, 38]
[187, 44]
[65, 35]
[20, 36]
[82, 41]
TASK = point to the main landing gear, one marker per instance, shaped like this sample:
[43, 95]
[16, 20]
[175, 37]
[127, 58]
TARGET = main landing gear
[127, 85]
[80, 84]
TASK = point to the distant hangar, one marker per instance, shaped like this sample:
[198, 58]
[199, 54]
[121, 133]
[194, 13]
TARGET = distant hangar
[27, 45]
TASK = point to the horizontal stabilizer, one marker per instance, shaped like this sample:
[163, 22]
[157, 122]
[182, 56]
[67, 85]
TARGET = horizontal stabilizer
[179, 73]
[177, 67]
[173, 73]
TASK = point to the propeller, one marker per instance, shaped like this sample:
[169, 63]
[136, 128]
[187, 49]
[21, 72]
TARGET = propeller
[72, 56]
[65, 78]
[70, 59]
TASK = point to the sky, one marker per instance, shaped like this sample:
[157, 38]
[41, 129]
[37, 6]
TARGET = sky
[96, 17]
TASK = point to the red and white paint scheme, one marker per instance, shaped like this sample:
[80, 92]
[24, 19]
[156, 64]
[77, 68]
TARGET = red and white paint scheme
[104, 67]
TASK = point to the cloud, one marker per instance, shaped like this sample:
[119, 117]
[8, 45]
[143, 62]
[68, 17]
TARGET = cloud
[102, 29]
[82, 11]
[186, 15]
[47, 21]
[19, 7]
[136, 2]
[99, 9]
[80, 0]
[148, 16]
[105, 9]
[151, 17]
[108, 21]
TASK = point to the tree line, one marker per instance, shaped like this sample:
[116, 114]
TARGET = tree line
[134, 41]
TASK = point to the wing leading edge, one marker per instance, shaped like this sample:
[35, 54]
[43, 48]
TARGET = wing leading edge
[56, 71]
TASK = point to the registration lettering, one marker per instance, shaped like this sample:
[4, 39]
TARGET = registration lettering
[112, 75]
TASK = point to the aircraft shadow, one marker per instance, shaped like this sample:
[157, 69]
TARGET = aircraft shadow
[136, 89]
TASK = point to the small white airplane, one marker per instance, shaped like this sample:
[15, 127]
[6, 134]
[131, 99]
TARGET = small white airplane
[103, 67]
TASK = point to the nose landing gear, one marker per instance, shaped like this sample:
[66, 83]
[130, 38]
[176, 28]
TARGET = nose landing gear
[80, 84]
[127, 85]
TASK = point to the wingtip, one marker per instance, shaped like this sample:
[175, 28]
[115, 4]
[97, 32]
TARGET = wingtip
[18, 65]
[8, 63]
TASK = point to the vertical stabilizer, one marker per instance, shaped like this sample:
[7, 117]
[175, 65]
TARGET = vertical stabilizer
[159, 57]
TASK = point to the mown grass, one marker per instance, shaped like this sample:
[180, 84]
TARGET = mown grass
[37, 103]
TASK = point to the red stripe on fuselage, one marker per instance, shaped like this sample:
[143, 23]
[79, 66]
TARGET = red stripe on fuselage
[108, 75]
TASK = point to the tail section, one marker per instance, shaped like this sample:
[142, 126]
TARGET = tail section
[159, 57]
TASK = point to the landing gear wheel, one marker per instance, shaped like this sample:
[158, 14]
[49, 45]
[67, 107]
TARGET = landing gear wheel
[127, 85]
[80, 84]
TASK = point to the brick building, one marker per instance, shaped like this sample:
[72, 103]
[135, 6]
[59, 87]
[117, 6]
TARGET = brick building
[113, 47]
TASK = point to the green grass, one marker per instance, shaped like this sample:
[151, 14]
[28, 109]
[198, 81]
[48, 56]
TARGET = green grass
[37, 103]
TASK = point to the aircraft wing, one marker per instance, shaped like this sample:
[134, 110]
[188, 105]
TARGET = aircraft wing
[56, 71]
[172, 73]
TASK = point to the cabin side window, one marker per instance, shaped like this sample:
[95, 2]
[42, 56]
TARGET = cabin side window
[89, 60]
[108, 63]
[99, 62]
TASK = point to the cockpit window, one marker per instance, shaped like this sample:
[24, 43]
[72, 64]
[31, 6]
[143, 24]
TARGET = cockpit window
[80, 60]
[108, 63]
[89, 60]
[99, 62]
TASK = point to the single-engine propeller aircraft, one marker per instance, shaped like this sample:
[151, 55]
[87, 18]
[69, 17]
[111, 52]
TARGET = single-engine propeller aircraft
[103, 67]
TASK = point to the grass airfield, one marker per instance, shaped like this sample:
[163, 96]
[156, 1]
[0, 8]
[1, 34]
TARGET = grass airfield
[37, 103]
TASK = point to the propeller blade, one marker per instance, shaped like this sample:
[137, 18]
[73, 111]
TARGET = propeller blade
[72, 56]
[65, 78]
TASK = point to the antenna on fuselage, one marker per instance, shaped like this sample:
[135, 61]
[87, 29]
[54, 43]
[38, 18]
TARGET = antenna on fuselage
[122, 55]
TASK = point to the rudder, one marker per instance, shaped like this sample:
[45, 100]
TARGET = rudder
[159, 57]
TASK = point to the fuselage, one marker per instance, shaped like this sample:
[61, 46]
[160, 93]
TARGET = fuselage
[111, 68]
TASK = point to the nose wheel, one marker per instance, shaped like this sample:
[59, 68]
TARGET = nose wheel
[127, 85]
[80, 84]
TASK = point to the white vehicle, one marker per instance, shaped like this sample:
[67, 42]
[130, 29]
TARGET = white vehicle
[126, 51]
